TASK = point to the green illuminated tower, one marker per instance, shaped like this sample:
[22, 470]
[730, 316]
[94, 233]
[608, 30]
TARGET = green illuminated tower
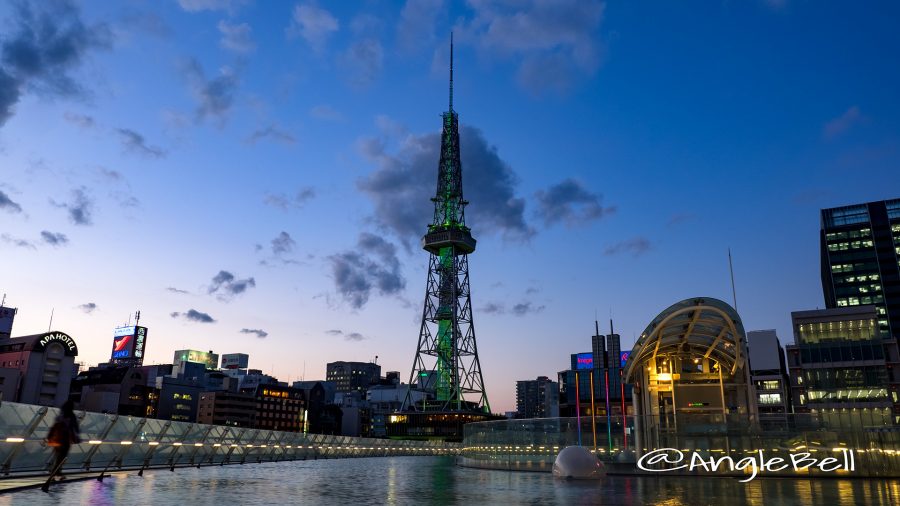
[446, 370]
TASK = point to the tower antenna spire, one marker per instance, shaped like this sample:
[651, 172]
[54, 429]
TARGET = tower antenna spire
[451, 71]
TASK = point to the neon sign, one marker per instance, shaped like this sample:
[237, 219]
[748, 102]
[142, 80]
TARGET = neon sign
[584, 361]
[624, 358]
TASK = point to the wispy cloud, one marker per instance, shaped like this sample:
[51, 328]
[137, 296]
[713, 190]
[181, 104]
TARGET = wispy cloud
[326, 112]
[48, 41]
[214, 96]
[81, 120]
[314, 24]
[271, 132]
[225, 286]
[80, 208]
[636, 246]
[135, 143]
[17, 242]
[176, 290]
[54, 238]
[7, 204]
[230, 6]
[373, 265]
[194, 316]
[571, 203]
[257, 332]
[838, 126]
[88, 308]
[285, 202]
[348, 336]
[236, 37]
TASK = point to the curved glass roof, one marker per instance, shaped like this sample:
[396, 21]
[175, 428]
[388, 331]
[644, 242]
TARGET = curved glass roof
[700, 326]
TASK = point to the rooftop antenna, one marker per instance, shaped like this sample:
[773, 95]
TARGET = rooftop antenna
[51, 319]
[451, 72]
[137, 317]
[731, 270]
[610, 321]
[4, 300]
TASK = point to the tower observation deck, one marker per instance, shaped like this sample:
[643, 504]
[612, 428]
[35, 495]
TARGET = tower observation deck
[446, 385]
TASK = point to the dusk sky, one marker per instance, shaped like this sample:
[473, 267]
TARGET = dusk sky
[255, 176]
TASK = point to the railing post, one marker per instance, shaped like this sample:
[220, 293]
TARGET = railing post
[152, 450]
[103, 435]
[172, 459]
[118, 459]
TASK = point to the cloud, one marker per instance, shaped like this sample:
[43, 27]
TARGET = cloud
[679, 218]
[230, 6]
[15, 241]
[283, 202]
[46, 44]
[526, 308]
[314, 24]
[493, 308]
[271, 132]
[403, 184]
[570, 203]
[553, 43]
[283, 244]
[326, 112]
[418, 19]
[236, 38]
[225, 286]
[135, 143]
[81, 120]
[636, 246]
[54, 239]
[176, 290]
[81, 208]
[88, 308]
[194, 316]
[373, 265]
[842, 123]
[7, 204]
[349, 336]
[259, 333]
[215, 96]
[363, 61]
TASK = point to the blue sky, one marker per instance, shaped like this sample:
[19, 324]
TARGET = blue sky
[268, 165]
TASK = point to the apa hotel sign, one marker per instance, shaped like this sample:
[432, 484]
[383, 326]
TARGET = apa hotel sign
[60, 337]
[670, 459]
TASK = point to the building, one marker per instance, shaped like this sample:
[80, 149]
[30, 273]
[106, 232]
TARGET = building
[7, 316]
[769, 374]
[279, 408]
[122, 390]
[844, 368]
[179, 398]
[689, 370]
[227, 408]
[353, 376]
[210, 359]
[235, 361]
[537, 398]
[386, 398]
[860, 249]
[41, 366]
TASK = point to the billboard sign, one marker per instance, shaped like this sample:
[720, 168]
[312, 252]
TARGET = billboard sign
[584, 361]
[624, 358]
[123, 343]
[235, 361]
[140, 341]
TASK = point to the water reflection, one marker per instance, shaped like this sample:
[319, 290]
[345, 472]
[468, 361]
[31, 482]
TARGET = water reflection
[436, 480]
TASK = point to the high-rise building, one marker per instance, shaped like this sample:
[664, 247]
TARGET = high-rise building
[537, 398]
[209, 359]
[860, 247]
[353, 376]
[768, 374]
[235, 409]
[843, 367]
[7, 316]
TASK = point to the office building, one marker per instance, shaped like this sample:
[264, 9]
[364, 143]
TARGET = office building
[769, 374]
[353, 376]
[227, 408]
[842, 366]
[7, 316]
[537, 398]
[279, 408]
[37, 369]
[860, 249]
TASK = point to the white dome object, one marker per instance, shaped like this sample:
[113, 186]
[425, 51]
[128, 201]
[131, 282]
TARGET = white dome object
[577, 462]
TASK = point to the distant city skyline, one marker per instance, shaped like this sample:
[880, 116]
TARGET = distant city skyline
[255, 177]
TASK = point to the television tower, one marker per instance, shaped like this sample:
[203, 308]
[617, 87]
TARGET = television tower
[446, 368]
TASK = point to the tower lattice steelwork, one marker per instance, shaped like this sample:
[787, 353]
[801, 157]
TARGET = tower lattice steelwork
[446, 371]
